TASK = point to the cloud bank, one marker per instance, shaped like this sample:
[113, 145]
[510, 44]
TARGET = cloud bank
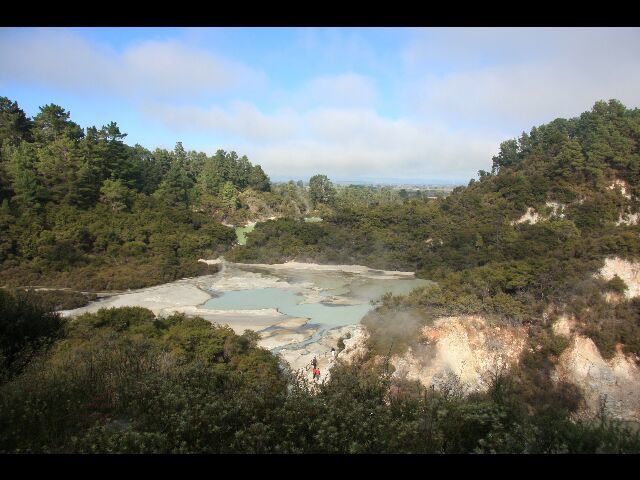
[164, 69]
[463, 91]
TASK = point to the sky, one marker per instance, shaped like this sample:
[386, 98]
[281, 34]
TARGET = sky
[413, 105]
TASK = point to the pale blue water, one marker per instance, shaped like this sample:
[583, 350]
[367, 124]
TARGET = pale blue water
[241, 233]
[287, 302]
[322, 317]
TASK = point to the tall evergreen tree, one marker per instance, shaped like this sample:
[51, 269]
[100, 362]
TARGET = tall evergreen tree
[229, 195]
[52, 123]
[25, 181]
[58, 165]
[175, 189]
[209, 181]
[258, 180]
[15, 126]
[115, 155]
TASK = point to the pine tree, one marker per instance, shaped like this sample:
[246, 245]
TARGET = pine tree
[52, 123]
[258, 180]
[176, 187]
[15, 126]
[229, 195]
[25, 182]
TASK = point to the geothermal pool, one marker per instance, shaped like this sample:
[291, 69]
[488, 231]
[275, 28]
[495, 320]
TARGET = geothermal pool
[294, 306]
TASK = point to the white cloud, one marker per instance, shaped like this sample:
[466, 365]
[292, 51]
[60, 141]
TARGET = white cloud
[170, 67]
[341, 142]
[525, 95]
[430, 154]
[465, 91]
[345, 90]
[55, 57]
[241, 119]
[63, 59]
[521, 77]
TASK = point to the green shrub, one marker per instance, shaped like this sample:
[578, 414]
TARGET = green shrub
[617, 285]
[26, 328]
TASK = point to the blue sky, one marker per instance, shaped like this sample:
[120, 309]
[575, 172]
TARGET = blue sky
[355, 103]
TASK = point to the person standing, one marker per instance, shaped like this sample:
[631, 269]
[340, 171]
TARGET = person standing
[333, 353]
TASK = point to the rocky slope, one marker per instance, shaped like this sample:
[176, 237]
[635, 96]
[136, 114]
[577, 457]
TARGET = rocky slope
[626, 270]
[466, 347]
[610, 384]
[468, 351]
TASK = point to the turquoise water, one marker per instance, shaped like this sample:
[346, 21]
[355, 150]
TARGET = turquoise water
[322, 316]
[241, 233]
[287, 302]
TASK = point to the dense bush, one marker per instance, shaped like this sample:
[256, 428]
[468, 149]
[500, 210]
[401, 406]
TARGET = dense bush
[27, 327]
[123, 381]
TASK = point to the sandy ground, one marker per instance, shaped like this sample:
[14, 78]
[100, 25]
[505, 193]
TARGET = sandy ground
[187, 296]
[215, 261]
[359, 269]
[229, 281]
[281, 338]
[238, 320]
[156, 299]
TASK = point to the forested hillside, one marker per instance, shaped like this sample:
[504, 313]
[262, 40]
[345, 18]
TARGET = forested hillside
[80, 208]
[580, 178]
[518, 246]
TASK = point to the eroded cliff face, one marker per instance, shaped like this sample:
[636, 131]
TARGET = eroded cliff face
[550, 210]
[621, 186]
[530, 216]
[470, 351]
[628, 214]
[355, 345]
[466, 347]
[613, 384]
[626, 270]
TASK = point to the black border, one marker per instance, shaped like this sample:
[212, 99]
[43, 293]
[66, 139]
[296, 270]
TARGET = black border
[375, 14]
[217, 14]
[326, 467]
